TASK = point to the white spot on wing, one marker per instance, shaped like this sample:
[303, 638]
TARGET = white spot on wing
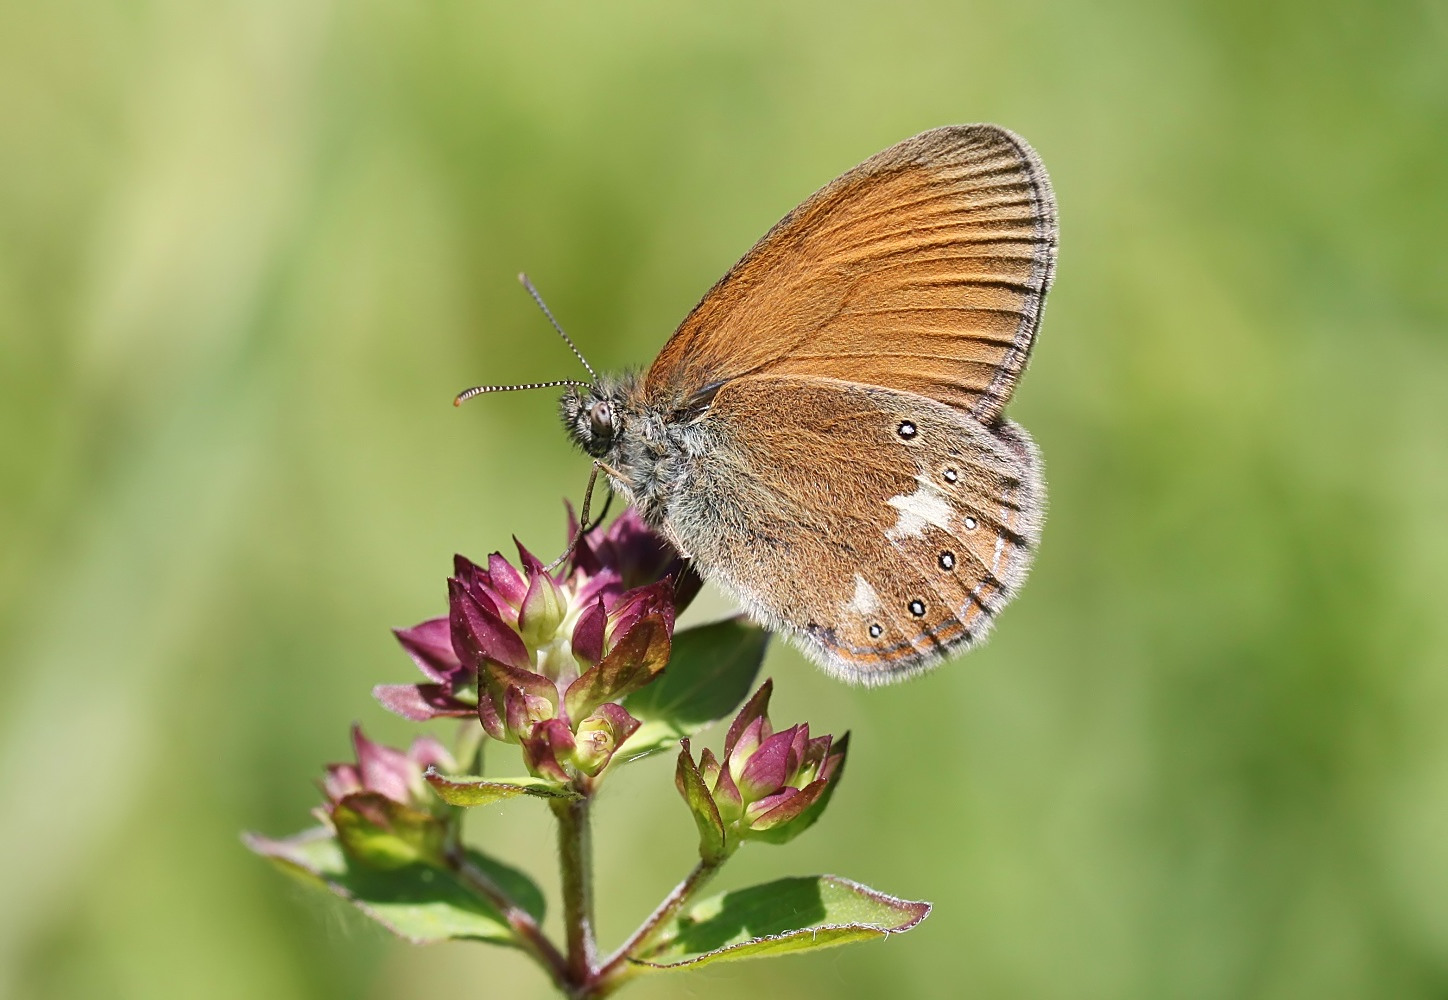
[925, 506]
[865, 601]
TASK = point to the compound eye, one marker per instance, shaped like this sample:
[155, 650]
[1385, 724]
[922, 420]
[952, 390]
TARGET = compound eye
[600, 419]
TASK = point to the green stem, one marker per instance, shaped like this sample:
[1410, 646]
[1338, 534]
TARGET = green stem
[575, 851]
[616, 968]
[530, 936]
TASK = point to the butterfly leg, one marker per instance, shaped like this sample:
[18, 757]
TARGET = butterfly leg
[584, 527]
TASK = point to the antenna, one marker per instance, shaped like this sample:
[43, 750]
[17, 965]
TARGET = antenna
[566, 339]
[478, 390]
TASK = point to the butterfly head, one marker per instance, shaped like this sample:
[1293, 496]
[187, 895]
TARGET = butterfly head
[595, 415]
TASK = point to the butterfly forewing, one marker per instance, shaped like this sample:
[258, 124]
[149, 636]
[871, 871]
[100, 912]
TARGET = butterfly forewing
[881, 529]
[923, 270]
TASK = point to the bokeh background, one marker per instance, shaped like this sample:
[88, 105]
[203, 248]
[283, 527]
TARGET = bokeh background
[250, 248]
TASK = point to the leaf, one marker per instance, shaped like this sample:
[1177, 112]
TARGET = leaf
[470, 791]
[777, 918]
[710, 672]
[419, 903]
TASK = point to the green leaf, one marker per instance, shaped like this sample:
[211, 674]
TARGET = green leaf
[709, 674]
[777, 918]
[420, 903]
[472, 791]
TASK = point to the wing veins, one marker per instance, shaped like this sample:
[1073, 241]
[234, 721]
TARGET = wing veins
[951, 192]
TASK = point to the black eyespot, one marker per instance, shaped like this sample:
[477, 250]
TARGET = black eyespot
[950, 475]
[875, 631]
[971, 524]
[947, 560]
[917, 608]
[907, 430]
[600, 419]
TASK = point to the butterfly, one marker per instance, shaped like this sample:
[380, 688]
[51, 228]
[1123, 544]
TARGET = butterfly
[824, 435]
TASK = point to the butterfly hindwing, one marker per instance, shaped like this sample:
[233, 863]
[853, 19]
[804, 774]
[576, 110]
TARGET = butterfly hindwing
[880, 529]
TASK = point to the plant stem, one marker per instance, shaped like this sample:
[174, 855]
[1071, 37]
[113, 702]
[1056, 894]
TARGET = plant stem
[615, 969]
[530, 936]
[575, 851]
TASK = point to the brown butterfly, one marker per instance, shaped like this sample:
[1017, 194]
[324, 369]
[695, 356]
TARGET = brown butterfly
[824, 434]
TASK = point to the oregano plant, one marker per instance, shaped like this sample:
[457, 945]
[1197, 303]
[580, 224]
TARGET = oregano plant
[583, 671]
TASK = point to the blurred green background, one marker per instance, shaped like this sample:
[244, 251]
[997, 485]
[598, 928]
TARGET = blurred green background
[250, 248]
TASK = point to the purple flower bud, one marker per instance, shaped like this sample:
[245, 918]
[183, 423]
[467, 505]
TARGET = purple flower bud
[756, 809]
[606, 585]
[588, 634]
[768, 767]
[654, 600]
[523, 711]
[532, 565]
[430, 646]
[753, 715]
[421, 702]
[479, 635]
[543, 606]
[600, 735]
[635, 654]
[782, 807]
[478, 582]
[393, 774]
[541, 657]
[341, 780]
[506, 581]
[770, 785]
[628, 547]
[514, 700]
[745, 743]
[453, 687]
[547, 747]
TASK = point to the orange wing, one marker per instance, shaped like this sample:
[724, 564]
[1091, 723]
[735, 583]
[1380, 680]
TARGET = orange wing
[924, 269]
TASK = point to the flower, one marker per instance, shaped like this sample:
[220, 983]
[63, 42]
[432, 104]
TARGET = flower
[543, 659]
[635, 554]
[382, 809]
[766, 785]
[391, 773]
